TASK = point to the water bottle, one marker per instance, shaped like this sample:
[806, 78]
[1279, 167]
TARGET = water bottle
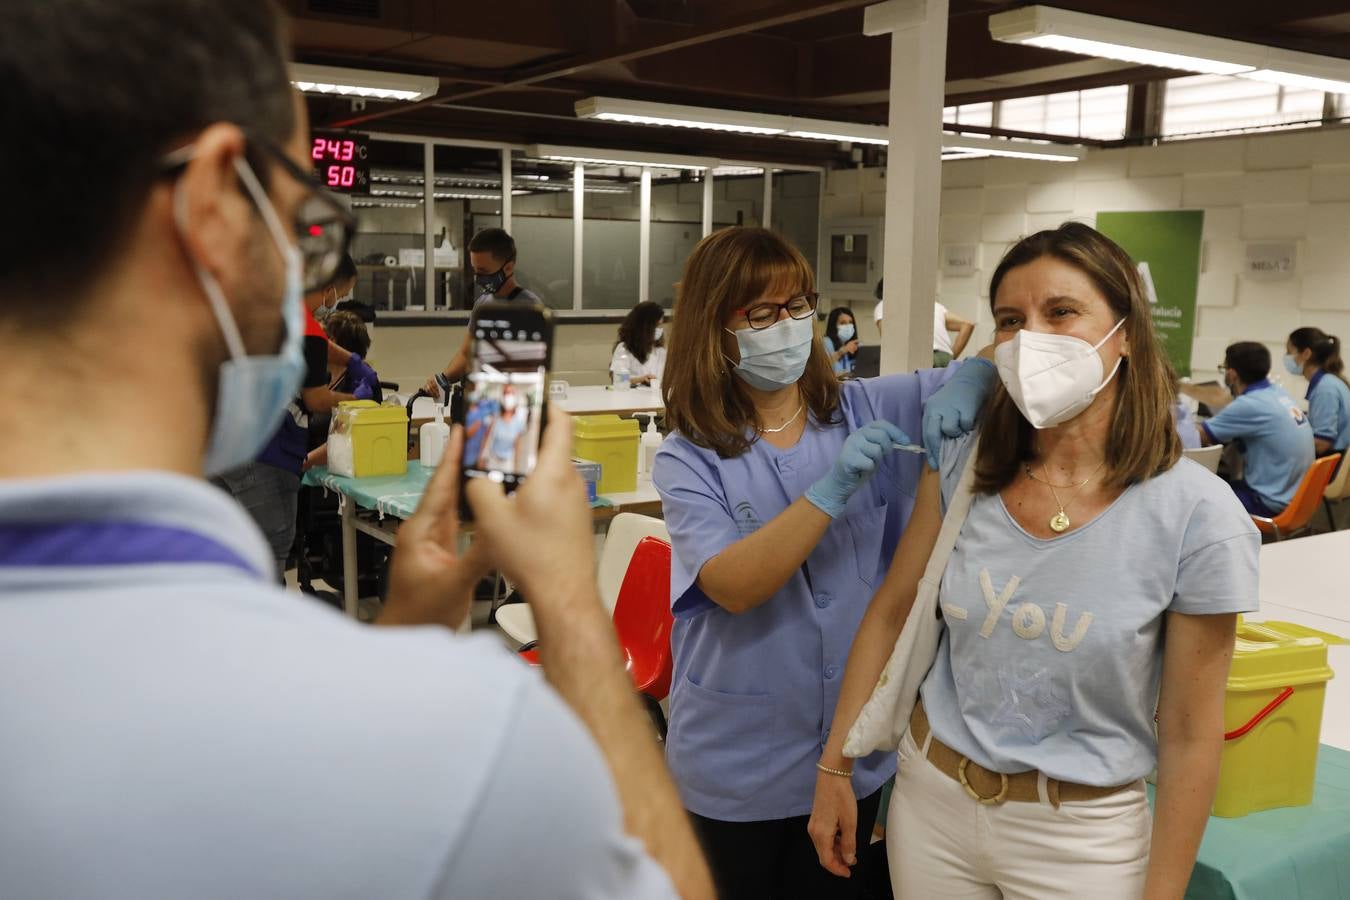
[623, 376]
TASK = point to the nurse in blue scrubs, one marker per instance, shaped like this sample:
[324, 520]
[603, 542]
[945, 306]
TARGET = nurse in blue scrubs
[785, 497]
[1316, 356]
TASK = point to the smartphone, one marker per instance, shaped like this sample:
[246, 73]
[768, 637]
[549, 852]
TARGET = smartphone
[505, 392]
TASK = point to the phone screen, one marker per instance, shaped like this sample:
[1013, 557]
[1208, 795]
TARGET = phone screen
[505, 396]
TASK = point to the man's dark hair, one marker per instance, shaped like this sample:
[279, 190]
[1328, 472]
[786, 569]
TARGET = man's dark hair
[1250, 360]
[496, 242]
[102, 91]
[346, 270]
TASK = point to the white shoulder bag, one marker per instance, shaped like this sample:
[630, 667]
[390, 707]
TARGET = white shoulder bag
[883, 719]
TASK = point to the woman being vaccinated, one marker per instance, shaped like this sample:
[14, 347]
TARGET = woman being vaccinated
[1087, 542]
[785, 495]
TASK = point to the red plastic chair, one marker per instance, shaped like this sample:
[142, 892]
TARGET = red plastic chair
[643, 621]
[1298, 514]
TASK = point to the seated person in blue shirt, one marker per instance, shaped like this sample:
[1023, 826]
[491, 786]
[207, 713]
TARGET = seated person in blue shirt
[1316, 356]
[174, 723]
[779, 534]
[841, 339]
[1273, 433]
[1088, 539]
[356, 378]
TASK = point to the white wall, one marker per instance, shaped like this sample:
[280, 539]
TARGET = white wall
[1291, 186]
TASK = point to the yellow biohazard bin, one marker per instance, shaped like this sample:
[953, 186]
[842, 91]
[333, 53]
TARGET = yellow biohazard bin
[1272, 720]
[367, 439]
[613, 443]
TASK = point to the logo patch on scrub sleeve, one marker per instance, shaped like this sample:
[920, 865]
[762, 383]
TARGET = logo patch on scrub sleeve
[747, 520]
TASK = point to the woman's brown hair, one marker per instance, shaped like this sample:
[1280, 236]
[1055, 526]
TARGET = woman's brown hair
[638, 331]
[1143, 439]
[705, 400]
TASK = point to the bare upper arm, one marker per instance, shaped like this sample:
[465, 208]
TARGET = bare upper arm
[956, 323]
[1196, 657]
[916, 544]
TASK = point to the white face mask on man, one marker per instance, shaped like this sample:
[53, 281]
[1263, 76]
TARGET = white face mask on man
[1052, 377]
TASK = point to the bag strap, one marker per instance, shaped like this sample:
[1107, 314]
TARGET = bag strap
[954, 518]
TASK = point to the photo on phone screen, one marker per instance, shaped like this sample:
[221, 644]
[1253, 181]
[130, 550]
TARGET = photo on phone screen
[505, 396]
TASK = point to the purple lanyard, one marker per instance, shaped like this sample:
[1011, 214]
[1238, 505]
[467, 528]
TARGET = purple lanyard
[109, 543]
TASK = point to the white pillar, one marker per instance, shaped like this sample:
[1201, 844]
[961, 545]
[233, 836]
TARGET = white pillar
[918, 30]
[506, 189]
[578, 226]
[428, 225]
[645, 236]
[768, 198]
[708, 200]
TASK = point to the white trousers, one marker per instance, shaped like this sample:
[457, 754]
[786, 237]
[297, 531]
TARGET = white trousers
[943, 845]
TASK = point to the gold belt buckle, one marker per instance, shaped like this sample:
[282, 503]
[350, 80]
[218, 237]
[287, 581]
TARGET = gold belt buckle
[987, 801]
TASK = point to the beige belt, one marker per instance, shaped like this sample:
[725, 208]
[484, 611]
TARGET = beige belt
[992, 788]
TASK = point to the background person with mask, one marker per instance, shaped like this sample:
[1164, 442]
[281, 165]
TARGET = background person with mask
[1275, 438]
[784, 497]
[268, 488]
[171, 723]
[840, 340]
[1314, 354]
[642, 338]
[492, 253]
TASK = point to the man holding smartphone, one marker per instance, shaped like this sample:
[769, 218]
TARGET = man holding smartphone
[175, 724]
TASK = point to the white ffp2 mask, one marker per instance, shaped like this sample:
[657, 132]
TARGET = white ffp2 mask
[1052, 377]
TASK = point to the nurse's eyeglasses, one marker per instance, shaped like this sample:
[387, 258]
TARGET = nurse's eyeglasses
[762, 315]
[323, 227]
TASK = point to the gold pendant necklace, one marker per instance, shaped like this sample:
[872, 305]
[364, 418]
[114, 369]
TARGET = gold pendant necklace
[1060, 522]
[800, 407]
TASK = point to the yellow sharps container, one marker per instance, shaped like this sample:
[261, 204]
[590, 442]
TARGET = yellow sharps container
[367, 440]
[1272, 720]
[613, 443]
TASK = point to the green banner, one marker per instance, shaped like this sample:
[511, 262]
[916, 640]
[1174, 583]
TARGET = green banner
[1166, 245]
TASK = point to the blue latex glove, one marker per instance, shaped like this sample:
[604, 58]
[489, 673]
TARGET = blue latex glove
[854, 465]
[952, 410]
[360, 374]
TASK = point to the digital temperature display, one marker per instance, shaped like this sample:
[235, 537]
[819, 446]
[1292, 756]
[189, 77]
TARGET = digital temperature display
[341, 161]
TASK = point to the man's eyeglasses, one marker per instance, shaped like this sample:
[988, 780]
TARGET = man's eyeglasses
[323, 227]
[762, 315]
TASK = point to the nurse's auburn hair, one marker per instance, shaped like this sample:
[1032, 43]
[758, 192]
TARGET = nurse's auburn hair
[705, 400]
[1143, 439]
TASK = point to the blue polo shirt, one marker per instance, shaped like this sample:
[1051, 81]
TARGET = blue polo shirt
[173, 725]
[1329, 409]
[753, 695]
[1276, 440]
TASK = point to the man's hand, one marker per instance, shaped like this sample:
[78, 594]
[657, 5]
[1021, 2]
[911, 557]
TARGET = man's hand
[543, 532]
[429, 582]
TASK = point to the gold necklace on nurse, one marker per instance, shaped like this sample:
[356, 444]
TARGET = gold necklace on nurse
[1059, 522]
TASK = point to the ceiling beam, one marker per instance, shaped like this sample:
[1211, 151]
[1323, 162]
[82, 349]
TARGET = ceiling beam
[669, 39]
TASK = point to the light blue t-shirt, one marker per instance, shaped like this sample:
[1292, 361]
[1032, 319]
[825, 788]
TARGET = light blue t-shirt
[844, 364]
[753, 695]
[1276, 438]
[1051, 652]
[1329, 409]
[173, 724]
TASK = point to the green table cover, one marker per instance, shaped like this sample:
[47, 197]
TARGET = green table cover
[389, 495]
[1299, 853]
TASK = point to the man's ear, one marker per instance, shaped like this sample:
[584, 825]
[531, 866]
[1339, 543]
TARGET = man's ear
[214, 215]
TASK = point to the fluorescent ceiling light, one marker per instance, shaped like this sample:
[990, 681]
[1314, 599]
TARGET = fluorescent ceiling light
[362, 83]
[640, 112]
[1089, 35]
[619, 157]
[958, 146]
[824, 130]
